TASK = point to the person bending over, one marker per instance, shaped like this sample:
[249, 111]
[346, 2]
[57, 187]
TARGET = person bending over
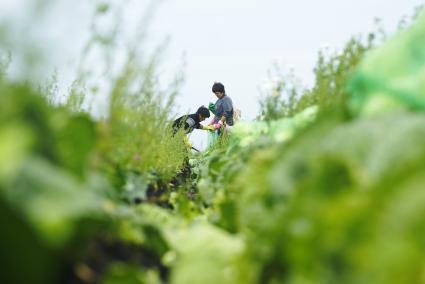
[193, 121]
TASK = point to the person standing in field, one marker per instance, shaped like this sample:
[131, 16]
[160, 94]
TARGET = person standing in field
[223, 107]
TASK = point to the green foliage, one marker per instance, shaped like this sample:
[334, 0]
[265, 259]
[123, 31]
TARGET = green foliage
[127, 274]
[66, 178]
[286, 98]
[47, 192]
[4, 64]
[381, 85]
[339, 200]
[140, 133]
[334, 204]
[20, 245]
[52, 173]
[308, 195]
[331, 201]
[281, 95]
[48, 132]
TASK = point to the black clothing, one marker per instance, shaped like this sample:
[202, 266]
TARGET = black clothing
[187, 122]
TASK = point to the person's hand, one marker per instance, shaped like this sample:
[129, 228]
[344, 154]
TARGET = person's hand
[210, 127]
[211, 122]
[218, 124]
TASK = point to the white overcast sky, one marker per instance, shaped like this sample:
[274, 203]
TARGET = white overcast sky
[236, 41]
[232, 41]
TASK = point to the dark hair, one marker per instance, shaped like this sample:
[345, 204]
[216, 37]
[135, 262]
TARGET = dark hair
[218, 88]
[203, 111]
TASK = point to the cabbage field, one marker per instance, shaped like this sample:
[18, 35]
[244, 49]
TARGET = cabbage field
[327, 186]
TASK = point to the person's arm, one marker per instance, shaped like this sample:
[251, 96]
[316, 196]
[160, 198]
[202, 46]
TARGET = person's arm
[198, 125]
[209, 127]
[227, 109]
[219, 118]
[212, 122]
[220, 123]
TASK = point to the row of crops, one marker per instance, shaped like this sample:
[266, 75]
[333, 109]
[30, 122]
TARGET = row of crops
[325, 188]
